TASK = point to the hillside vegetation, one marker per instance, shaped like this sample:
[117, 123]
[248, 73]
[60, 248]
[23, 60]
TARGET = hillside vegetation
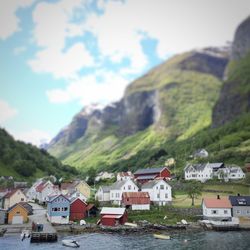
[25, 161]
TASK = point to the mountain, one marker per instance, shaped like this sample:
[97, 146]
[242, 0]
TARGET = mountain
[25, 161]
[235, 94]
[171, 102]
[198, 99]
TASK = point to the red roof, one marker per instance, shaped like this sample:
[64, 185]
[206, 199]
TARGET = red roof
[90, 206]
[217, 203]
[40, 187]
[135, 195]
[67, 185]
[10, 193]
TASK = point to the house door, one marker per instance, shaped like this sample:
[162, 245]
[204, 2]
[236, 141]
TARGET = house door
[17, 219]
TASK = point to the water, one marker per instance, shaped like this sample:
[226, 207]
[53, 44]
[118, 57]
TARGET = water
[200, 240]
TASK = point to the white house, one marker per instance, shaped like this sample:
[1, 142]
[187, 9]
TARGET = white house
[235, 173]
[104, 176]
[200, 172]
[44, 190]
[121, 176]
[119, 187]
[160, 191]
[216, 208]
[32, 193]
[103, 194]
[201, 153]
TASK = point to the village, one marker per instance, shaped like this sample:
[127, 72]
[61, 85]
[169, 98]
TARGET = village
[149, 195]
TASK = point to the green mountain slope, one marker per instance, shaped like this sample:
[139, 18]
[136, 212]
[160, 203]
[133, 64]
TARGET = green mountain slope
[172, 102]
[24, 161]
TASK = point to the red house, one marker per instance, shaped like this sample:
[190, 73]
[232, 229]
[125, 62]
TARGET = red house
[78, 209]
[136, 200]
[113, 216]
[147, 174]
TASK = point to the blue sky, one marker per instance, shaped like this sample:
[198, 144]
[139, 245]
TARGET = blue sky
[60, 56]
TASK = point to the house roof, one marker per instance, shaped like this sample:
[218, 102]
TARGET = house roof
[66, 185]
[135, 195]
[125, 174]
[106, 189]
[51, 198]
[239, 200]
[196, 167]
[211, 202]
[149, 170]
[41, 186]
[27, 206]
[146, 177]
[113, 210]
[90, 206]
[17, 204]
[119, 184]
[151, 184]
[10, 193]
[111, 216]
[72, 200]
[216, 165]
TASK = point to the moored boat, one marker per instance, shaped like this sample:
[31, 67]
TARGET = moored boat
[70, 243]
[162, 236]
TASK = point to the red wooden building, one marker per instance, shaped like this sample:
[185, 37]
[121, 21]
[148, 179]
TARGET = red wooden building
[136, 200]
[78, 209]
[147, 174]
[113, 216]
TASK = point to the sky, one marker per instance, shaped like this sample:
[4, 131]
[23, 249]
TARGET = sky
[59, 56]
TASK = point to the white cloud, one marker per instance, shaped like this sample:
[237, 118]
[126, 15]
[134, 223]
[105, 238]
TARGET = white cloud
[19, 50]
[103, 87]
[6, 112]
[8, 19]
[34, 136]
[62, 64]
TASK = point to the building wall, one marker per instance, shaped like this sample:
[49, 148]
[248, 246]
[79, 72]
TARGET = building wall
[239, 211]
[60, 203]
[102, 196]
[18, 210]
[202, 176]
[77, 210]
[58, 219]
[220, 212]
[17, 197]
[2, 216]
[84, 188]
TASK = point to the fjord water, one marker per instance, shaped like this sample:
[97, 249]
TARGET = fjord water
[194, 240]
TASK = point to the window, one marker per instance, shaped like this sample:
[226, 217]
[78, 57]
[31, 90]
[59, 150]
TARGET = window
[22, 199]
[214, 211]
[161, 186]
[17, 212]
[237, 211]
[225, 212]
[65, 209]
[158, 195]
[166, 188]
[166, 196]
[129, 187]
[124, 188]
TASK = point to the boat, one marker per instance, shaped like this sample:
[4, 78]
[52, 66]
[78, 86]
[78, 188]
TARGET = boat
[162, 236]
[70, 243]
[25, 234]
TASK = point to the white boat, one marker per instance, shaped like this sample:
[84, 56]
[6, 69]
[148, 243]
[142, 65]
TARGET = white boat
[70, 243]
[162, 236]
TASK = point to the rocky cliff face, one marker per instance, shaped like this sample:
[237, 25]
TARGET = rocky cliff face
[235, 94]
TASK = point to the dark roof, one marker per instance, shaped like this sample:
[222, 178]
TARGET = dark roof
[216, 165]
[51, 198]
[146, 177]
[149, 170]
[197, 167]
[27, 206]
[106, 189]
[239, 200]
[17, 204]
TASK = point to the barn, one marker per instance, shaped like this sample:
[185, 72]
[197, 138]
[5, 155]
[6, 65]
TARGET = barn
[78, 209]
[144, 175]
[113, 216]
[136, 200]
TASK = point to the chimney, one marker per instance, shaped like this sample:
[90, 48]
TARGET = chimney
[218, 197]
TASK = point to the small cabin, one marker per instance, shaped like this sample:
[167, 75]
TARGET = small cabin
[78, 209]
[113, 216]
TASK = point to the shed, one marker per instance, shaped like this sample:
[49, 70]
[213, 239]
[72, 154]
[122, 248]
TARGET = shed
[241, 205]
[113, 216]
[78, 209]
[136, 200]
[92, 210]
[17, 214]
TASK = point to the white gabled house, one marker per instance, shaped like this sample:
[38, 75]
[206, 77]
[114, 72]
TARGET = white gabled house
[216, 208]
[119, 187]
[235, 173]
[159, 190]
[200, 172]
[103, 194]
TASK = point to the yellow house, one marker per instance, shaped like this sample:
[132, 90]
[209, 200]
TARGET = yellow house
[13, 197]
[83, 188]
[17, 214]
